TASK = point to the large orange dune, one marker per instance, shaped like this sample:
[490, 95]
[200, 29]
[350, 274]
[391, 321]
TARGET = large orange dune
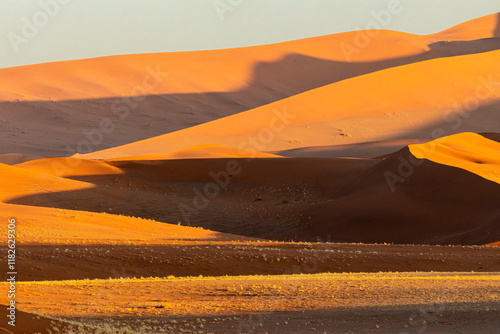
[200, 71]
[195, 71]
[422, 100]
[93, 104]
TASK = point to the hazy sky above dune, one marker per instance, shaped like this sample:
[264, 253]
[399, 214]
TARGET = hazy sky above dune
[34, 31]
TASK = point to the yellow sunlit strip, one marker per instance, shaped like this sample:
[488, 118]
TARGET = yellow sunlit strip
[337, 277]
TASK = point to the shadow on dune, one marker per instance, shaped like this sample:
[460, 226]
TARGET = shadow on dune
[254, 203]
[407, 200]
[484, 119]
[301, 199]
[58, 128]
[491, 136]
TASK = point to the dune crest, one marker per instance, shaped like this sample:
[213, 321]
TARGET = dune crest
[203, 152]
[468, 151]
[186, 72]
[482, 27]
[38, 225]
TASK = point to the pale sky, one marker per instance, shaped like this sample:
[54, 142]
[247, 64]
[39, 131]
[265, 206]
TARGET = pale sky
[35, 31]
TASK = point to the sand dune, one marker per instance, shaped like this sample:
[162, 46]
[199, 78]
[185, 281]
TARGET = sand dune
[17, 181]
[118, 75]
[67, 167]
[405, 102]
[71, 99]
[161, 190]
[189, 72]
[160, 93]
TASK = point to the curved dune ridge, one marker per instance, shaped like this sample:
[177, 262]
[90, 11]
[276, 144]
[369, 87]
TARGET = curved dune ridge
[188, 72]
[66, 167]
[16, 158]
[482, 27]
[199, 71]
[39, 225]
[203, 152]
[16, 181]
[468, 151]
